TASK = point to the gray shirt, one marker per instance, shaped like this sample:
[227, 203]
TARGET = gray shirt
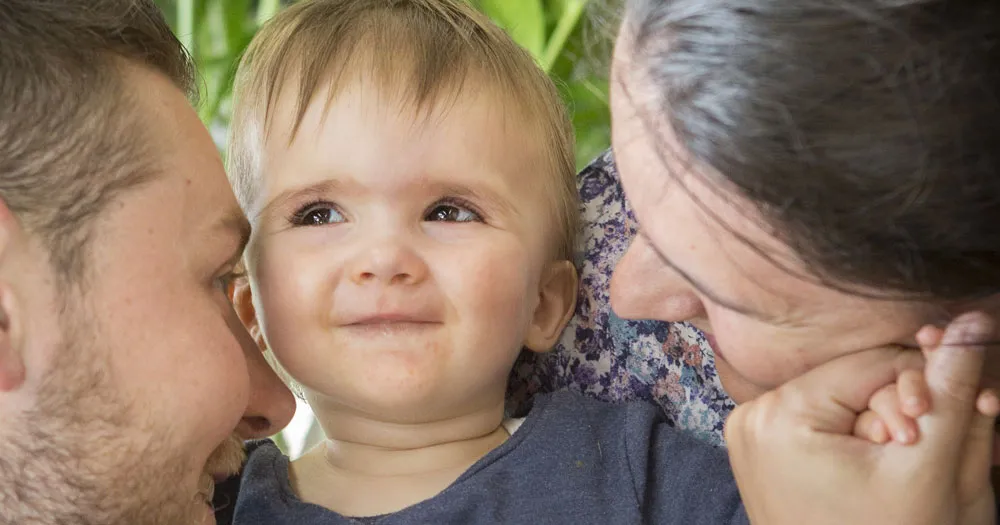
[573, 461]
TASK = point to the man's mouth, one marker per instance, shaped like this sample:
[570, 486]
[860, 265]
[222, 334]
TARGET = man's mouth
[206, 488]
[227, 459]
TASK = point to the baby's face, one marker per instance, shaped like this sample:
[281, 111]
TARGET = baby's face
[396, 260]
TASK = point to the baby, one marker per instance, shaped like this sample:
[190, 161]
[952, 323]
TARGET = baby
[408, 172]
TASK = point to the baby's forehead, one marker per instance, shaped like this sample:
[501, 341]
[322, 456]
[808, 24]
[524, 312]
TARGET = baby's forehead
[474, 120]
[296, 93]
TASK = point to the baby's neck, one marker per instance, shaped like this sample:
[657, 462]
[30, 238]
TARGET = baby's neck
[367, 467]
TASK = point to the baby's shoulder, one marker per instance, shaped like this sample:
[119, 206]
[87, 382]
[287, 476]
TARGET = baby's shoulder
[575, 421]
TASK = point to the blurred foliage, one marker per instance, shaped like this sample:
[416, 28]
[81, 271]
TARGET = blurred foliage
[556, 32]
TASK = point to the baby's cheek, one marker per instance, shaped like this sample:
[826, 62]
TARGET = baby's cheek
[503, 285]
[496, 298]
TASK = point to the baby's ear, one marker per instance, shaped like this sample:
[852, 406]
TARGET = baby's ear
[556, 304]
[242, 297]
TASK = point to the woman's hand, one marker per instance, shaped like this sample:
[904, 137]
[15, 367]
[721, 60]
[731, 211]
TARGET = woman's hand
[796, 461]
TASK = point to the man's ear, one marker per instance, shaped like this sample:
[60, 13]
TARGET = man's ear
[241, 296]
[556, 304]
[12, 372]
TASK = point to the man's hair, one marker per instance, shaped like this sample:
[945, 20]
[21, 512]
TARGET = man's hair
[70, 134]
[866, 131]
[422, 52]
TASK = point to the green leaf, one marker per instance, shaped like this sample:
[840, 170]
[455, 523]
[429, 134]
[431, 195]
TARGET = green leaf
[523, 19]
[237, 22]
[266, 9]
[185, 23]
[223, 89]
[568, 22]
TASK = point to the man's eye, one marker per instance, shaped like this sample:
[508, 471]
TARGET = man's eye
[228, 280]
[452, 213]
[317, 214]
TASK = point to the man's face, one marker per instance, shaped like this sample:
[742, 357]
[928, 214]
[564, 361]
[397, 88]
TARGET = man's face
[135, 379]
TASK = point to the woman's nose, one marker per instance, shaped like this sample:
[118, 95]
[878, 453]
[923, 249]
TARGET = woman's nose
[644, 287]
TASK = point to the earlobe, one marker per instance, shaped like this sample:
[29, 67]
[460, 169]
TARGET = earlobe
[557, 301]
[242, 299]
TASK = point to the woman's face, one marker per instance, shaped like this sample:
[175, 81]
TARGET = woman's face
[698, 258]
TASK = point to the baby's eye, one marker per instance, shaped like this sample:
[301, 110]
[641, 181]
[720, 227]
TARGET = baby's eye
[452, 213]
[317, 214]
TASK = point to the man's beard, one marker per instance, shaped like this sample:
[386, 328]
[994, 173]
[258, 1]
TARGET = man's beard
[86, 455]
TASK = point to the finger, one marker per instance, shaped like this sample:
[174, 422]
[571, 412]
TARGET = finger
[913, 393]
[953, 375]
[988, 404]
[974, 479]
[886, 403]
[929, 336]
[870, 426]
[955, 366]
[829, 397]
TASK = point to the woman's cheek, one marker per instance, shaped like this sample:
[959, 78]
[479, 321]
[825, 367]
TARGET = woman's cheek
[753, 352]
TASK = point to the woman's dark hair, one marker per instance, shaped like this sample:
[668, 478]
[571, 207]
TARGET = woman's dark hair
[866, 131]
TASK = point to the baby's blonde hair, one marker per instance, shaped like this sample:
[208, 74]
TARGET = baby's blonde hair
[420, 51]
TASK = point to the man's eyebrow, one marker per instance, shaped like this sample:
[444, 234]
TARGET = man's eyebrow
[235, 221]
[705, 290]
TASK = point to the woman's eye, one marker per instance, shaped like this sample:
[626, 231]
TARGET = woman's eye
[317, 215]
[452, 213]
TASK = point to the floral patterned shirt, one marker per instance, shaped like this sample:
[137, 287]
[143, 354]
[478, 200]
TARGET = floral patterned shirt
[613, 359]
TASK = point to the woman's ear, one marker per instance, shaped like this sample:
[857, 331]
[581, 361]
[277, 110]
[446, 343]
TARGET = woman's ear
[556, 303]
[241, 296]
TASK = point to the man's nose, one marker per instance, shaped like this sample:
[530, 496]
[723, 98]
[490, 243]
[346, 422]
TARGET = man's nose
[644, 287]
[271, 405]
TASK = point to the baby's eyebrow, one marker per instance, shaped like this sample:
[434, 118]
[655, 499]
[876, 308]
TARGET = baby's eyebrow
[317, 189]
[490, 199]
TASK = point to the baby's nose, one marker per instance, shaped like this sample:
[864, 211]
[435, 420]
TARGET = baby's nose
[388, 263]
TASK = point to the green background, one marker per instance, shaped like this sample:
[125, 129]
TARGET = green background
[561, 34]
